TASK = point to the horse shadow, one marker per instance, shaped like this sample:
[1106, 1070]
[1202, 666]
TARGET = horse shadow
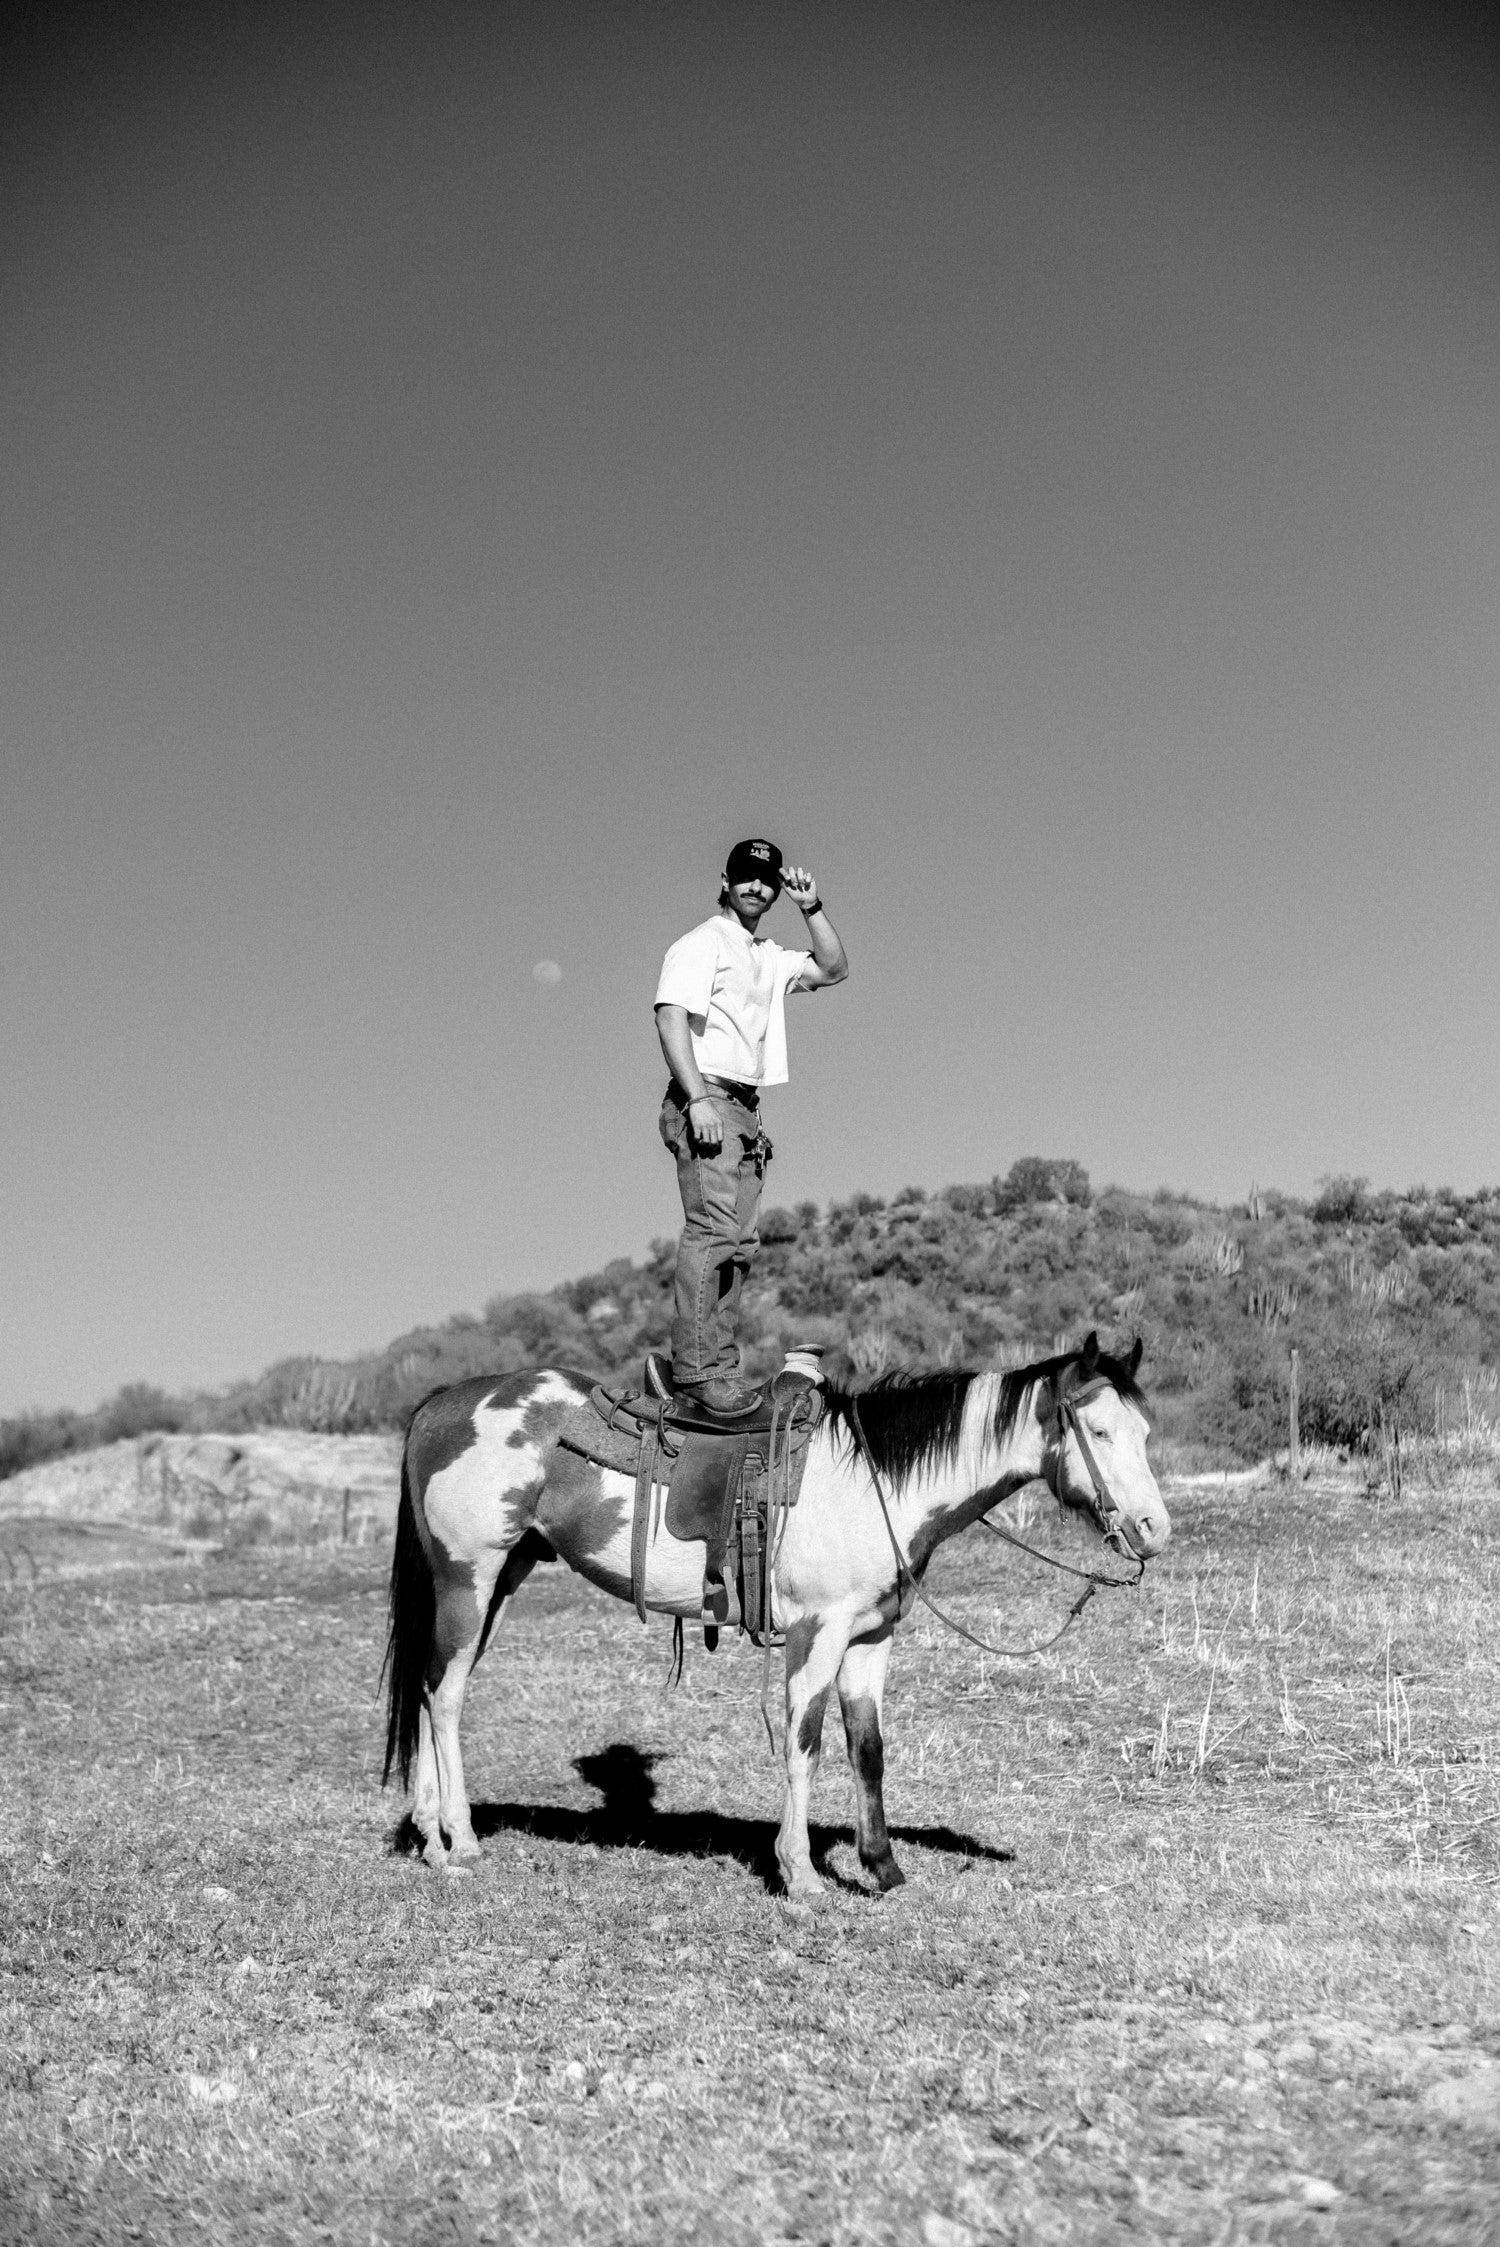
[627, 1818]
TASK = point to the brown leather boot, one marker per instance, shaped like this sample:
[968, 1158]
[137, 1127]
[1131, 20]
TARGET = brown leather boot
[723, 1399]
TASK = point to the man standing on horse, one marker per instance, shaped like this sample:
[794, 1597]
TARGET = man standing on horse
[720, 1017]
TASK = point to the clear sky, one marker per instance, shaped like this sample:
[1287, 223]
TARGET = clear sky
[463, 468]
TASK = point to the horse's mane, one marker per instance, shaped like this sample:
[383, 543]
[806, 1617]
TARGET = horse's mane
[910, 1420]
[913, 1420]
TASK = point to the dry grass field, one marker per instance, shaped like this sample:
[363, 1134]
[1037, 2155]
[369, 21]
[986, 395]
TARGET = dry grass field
[1198, 1941]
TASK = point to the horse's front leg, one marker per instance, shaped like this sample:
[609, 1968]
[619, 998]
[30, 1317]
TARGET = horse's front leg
[861, 1692]
[814, 1649]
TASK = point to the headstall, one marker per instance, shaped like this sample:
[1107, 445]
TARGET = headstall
[1107, 1516]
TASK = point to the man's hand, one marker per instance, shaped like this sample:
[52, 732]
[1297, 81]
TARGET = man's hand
[800, 887]
[705, 1123]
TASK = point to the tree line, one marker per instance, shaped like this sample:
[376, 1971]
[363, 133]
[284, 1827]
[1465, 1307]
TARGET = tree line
[1391, 1299]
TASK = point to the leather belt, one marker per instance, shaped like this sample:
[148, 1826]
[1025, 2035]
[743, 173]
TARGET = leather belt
[748, 1095]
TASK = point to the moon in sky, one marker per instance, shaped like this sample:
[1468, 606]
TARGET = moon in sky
[547, 971]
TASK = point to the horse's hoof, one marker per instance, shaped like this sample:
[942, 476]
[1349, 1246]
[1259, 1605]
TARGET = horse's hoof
[434, 1855]
[466, 1852]
[456, 1871]
[886, 1873]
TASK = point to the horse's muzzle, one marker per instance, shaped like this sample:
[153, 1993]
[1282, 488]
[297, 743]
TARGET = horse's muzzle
[1147, 1533]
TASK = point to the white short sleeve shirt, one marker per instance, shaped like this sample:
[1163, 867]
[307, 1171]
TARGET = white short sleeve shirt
[734, 989]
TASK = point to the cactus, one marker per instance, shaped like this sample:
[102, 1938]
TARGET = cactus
[1218, 1253]
[1273, 1302]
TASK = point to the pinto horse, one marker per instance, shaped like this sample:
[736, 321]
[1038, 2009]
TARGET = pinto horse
[487, 1491]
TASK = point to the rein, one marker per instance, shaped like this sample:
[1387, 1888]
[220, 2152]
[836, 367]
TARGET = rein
[1106, 1515]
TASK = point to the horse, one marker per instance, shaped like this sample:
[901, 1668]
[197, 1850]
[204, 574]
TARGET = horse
[487, 1492]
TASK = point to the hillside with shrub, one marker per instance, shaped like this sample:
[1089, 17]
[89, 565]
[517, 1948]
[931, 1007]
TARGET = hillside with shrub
[1392, 1300]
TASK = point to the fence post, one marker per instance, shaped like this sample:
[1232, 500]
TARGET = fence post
[1293, 1447]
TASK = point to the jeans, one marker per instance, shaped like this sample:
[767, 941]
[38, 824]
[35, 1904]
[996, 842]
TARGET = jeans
[720, 1188]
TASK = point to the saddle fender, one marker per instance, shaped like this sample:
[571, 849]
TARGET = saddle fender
[727, 1488]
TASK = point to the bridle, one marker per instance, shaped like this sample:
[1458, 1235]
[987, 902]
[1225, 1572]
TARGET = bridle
[1107, 1516]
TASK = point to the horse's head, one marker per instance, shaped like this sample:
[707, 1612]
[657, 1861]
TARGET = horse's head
[1095, 1431]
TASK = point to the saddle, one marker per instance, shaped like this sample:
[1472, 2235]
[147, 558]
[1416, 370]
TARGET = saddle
[730, 1485]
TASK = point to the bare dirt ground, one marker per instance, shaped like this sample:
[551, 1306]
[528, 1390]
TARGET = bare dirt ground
[1199, 1941]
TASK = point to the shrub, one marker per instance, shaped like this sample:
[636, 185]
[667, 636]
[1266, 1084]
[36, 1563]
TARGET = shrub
[1351, 1378]
[1240, 1404]
[1342, 1201]
[137, 1410]
[1039, 1178]
[32, 1437]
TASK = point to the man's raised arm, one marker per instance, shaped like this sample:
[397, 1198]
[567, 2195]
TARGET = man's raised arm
[830, 963]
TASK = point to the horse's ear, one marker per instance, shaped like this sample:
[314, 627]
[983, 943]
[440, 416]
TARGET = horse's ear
[1088, 1358]
[1133, 1362]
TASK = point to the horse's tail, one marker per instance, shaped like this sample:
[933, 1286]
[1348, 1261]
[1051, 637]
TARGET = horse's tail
[413, 1609]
